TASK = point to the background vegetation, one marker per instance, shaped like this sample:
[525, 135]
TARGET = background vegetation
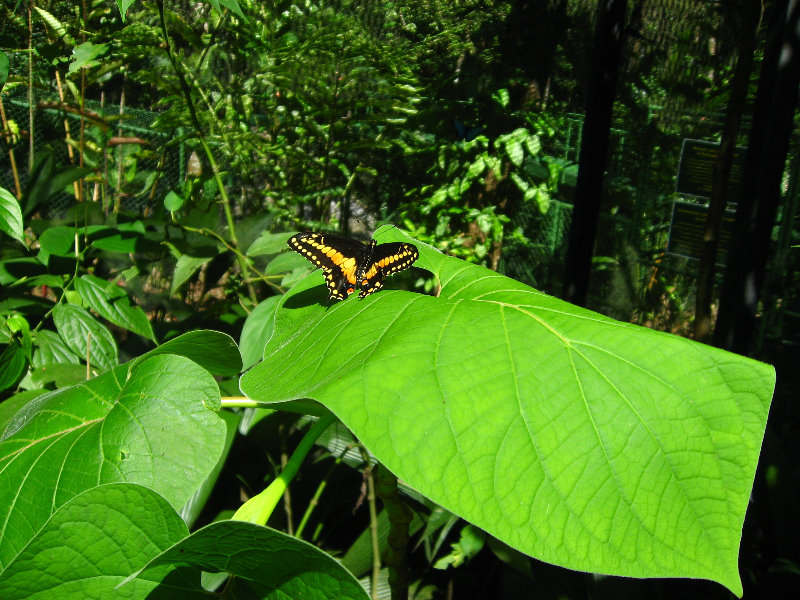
[160, 160]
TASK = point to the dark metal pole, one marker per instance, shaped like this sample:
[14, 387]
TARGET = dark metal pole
[767, 147]
[594, 149]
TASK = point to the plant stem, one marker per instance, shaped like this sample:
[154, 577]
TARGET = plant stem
[9, 137]
[399, 518]
[259, 508]
[287, 494]
[30, 87]
[369, 475]
[266, 279]
[224, 201]
[315, 500]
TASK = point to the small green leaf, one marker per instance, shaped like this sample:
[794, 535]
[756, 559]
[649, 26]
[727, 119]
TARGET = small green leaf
[186, 267]
[60, 241]
[256, 331]
[82, 332]
[123, 6]
[515, 151]
[58, 28]
[216, 352]
[10, 214]
[476, 168]
[471, 541]
[112, 303]
[542, 198]
[269, 243]
[173, 201]
[533, 144]
[502, 97]
[3, 69]
[122, 241]
[12, 364]
[232, 5]
[520, 182]
[18, 324]
[48, 177]
[283, 263]
[85, 55]
[63, 375]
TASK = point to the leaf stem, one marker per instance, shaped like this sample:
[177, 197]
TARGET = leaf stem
[259, 508]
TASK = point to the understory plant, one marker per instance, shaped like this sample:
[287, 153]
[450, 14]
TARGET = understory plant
[570, 437]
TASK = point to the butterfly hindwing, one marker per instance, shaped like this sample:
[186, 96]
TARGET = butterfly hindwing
[386, 259]
[348, 264]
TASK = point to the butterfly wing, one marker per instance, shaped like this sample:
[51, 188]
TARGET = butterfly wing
[385, 260]
[337, 256]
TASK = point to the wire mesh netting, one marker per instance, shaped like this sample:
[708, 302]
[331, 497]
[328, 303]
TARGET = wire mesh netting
[677, 56]
[120, 148]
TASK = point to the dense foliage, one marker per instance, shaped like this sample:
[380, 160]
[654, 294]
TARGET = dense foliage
[159, 155]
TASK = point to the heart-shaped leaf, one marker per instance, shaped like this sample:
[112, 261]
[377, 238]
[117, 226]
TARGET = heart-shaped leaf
[92, 543]
[155, 426]
[267, 564]
[582, 441]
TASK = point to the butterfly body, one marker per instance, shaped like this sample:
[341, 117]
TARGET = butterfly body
[349, 265]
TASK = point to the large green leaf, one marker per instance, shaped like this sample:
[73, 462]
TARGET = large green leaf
[10, 406]
[216, 352]
[155, 425]
[92, 543]
[582, 441]
[268, 564]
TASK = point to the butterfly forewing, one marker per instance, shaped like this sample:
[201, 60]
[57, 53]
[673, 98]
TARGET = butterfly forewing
[348, 264]
[338, 257]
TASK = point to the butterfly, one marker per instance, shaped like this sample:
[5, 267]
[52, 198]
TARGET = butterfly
[349, 264]
[464, 134]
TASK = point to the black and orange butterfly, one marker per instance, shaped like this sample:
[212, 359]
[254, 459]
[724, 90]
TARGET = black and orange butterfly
[349, 264]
